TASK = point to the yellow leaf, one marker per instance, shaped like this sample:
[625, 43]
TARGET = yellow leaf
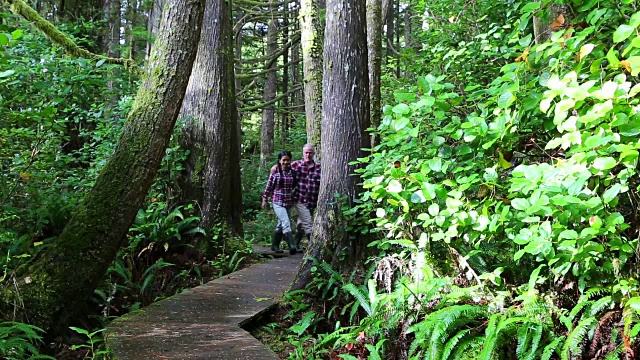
[585, 50]
[25, 176]
[626, 65]
[503, 163]
[524, 56]
[262, 299]
[37, 243]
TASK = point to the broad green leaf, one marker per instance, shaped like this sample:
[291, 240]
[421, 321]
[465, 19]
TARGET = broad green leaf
[505, 99]
[520, 204]
[16, 34]
[622, 33]
[611, 193]
[604, 163]
[7, 73]
[401, 109]
[394, 186]
[634, 63]
[434, 209]
[418, 197]
[530, 7]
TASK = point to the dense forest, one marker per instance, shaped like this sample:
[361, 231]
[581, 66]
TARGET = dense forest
[479, 195]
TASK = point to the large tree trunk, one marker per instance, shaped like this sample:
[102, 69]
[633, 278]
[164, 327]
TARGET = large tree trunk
[345, 116]
[270, 85]
[213, 167]
[374, 45]
[312, 33]
[285, 79]
[46, 291]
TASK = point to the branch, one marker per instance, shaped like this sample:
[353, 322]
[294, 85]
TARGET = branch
[273, 101]
[20, 8]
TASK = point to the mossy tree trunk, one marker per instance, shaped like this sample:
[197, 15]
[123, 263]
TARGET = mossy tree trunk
[270, 86]
[345, 117]
[50, 288]
[211, 135]
[311, 37]
[374, 45]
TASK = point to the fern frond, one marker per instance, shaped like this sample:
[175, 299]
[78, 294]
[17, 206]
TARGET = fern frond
[600, 305]
[453, 341]
[360, 296]
[575, 337]
[468, 348]
[551, 348]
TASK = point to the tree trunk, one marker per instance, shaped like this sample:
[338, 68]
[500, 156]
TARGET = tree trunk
[543, 31]
[390, 23]
[312, 33]
[345, 116]
[270, 85]
[211, 135]
[374, 46]
[112, 43]
[46, 291]
[285, 79]
[153, 22]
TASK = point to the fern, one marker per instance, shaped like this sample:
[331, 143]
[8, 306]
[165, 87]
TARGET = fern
[360, 296]
[615, 354]
[438, 326]
[575, 337]
[600, 305]
[551, 348]
[468, 348]
[453, 341]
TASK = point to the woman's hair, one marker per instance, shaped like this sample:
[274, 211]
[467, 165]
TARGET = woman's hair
[281, 154]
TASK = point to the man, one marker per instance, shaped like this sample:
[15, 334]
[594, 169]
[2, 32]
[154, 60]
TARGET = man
[308, 182]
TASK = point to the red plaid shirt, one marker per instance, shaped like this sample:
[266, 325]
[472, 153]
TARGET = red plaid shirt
[282, 192]
[308, 182]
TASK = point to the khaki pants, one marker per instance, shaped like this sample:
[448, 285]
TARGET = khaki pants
[304, 218]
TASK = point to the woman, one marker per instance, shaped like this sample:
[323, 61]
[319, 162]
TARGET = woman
[281, 187]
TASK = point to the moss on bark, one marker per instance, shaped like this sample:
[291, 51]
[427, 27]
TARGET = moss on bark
[20, 8]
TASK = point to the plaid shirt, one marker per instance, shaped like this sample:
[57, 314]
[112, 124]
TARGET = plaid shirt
[308, 182]
[282, 192]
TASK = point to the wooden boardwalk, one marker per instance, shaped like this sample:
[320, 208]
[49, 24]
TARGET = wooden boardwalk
[205, 322]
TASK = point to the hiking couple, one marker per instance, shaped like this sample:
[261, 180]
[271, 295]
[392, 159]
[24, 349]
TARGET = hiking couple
[293, 185]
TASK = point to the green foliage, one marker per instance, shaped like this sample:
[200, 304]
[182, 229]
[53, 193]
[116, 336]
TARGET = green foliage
[94, 340]
[20, 341]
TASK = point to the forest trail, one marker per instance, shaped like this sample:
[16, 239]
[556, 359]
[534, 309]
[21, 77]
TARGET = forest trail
[205, 322]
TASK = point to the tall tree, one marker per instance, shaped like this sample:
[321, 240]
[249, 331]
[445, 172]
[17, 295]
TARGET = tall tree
[374, 45]
[211, 134]
[270, 86]
[312, 33]
[47, 290]
[345, 117]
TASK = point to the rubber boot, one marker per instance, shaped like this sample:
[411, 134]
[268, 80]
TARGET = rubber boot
[275, 241]
[298, 238]
[292, 246]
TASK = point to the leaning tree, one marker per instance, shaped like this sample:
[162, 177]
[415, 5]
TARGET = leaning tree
[47, 290]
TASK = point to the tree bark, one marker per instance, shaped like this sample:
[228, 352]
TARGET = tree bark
[46, 291]
[374, 46]
[211, 135]
[345, 117]
[270, 85]
[543, 31]
[312, 33]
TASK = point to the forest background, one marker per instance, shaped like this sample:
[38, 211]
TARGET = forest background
[480, 178]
